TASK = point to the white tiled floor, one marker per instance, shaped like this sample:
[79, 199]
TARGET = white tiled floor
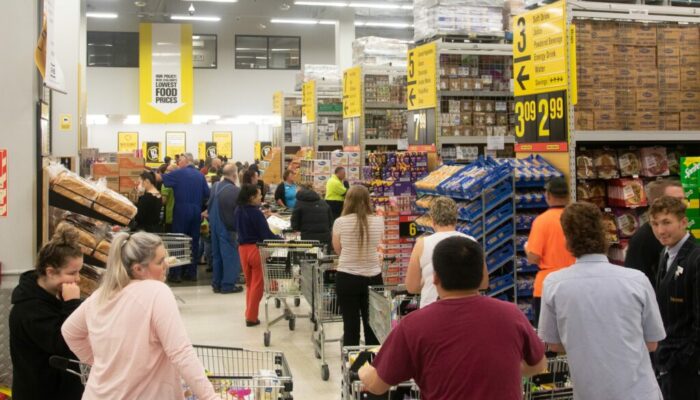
[215, 319]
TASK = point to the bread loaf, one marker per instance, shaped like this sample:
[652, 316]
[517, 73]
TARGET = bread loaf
[75, 188]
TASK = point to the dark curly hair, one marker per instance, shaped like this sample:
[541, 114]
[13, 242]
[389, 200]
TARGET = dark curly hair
[583, 228]
[667, 204]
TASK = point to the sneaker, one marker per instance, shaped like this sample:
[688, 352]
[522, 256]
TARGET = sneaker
[236, 289]
[216, 290]
[252, 323]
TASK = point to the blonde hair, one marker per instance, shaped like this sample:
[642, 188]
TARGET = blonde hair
[357, 202]
[126, 251]
[443, 211]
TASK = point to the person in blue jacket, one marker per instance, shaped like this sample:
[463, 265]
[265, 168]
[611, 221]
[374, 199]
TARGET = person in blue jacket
[191, 193]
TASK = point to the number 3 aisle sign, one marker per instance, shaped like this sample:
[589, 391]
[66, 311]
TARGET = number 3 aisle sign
[540, 63]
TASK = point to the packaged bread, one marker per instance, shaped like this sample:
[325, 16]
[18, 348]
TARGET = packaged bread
[115, 206]
[89, 280]
[425, 221]
[605, 163]
[584, 166]
[102, 250]
[629, 161]
[71, 185]
[654, 161]
[425, 201]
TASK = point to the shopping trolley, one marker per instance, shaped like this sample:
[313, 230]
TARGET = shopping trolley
[553, 384]
[234, 373]
[352, 359]
[318, 287]
[281, 273]
[387, 306]
[179, 246]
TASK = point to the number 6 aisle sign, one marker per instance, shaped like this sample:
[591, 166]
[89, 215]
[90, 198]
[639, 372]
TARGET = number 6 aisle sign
[540, 67]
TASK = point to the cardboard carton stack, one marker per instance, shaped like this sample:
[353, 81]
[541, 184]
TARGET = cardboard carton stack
[634, 76]
[395, 249]
[130, 168]
[318, 171]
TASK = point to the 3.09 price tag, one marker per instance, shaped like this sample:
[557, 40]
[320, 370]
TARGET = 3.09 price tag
[541, 118]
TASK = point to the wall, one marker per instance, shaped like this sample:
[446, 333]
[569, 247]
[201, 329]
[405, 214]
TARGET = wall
[221, 91]
[18, 36]
[104, 137]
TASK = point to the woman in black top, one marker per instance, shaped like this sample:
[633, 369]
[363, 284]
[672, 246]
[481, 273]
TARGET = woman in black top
[312, 216]
[43, 300]
[149, 205]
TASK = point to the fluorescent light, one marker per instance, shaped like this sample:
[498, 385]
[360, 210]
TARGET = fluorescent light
[321, 3]
[194, 18]
[397, 25]
[102, 15]
[196, 37]
[327, 22]
[381, 5]
[132, 120]
[294, 21]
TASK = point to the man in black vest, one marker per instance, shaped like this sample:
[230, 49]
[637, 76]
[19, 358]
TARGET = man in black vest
[678, 294]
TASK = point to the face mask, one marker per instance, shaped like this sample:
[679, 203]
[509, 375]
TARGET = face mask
[140, 189]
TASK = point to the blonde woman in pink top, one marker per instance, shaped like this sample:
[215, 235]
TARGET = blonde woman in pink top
[131, 332]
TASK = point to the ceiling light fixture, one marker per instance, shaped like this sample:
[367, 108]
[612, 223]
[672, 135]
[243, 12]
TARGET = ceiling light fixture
[194, 18]
[386, 6]
[105, 15]
[321, 3]
[191, 10]
[397, 25]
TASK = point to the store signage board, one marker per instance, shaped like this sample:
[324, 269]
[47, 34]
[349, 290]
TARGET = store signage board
[421, 80]
[3, 182]
[539, 50]
[207, 150]
[127, 142]
[308, 102]
[690, 179]
[165, 73]
[224, 143]
[175, 143]
[352, 92]
[277, 103]
[540, 60]
[152, 152]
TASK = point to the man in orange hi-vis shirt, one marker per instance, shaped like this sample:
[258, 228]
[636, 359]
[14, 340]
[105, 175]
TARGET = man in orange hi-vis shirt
[546, 245]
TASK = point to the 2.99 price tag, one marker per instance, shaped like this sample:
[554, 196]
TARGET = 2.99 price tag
[541, 118]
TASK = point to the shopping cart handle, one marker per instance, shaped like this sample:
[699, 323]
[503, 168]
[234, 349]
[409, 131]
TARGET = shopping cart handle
[59, 362]
[354, 376]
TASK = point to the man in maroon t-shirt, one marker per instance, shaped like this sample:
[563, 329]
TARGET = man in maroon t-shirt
[463, 346]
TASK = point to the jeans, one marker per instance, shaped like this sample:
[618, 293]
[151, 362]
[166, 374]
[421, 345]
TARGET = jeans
[226, 263]
[353, 298]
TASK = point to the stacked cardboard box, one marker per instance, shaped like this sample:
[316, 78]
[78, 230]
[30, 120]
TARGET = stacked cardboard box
[318, 171]
[394, 249]
[634, 76]
[130, 168]
[108, 171]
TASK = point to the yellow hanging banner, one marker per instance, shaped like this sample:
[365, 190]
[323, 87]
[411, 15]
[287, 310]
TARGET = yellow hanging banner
[165, 73]
[224, 143]
[421, 80]
[308, 102]
[175, 143]
[277, 103]
[352, 92]
[127, 142]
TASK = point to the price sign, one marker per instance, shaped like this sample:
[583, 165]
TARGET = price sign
[127, 142]
[277, 103]
[421, 80]
[308, 101]
[541, 118]
[352, 92]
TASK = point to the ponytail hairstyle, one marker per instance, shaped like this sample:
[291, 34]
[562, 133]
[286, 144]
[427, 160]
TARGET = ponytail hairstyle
[357, 202]
[57, 251]
[126, 251]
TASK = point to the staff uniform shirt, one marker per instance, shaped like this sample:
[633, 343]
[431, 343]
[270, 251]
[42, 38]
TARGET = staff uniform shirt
[603, 314]
[548, 242]
[335, 190]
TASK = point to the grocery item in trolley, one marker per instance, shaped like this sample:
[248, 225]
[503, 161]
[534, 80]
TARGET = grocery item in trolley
[553, 384]
[387, 306]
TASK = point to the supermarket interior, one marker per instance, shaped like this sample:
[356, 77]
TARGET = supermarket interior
[337, 199]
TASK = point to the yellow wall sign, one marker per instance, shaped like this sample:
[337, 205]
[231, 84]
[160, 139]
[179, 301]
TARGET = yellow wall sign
[65, 122]
[152, 152]
[127, 142]
[540, 50]
[277, 103]
[175, 143]
[421, 80]
[308, 102]
[224, 143]
[165, 81]
[352, 92]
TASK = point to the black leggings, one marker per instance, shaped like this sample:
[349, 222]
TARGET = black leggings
[353, 297]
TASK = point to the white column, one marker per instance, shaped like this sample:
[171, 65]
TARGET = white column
[344, 36]
[18, 80]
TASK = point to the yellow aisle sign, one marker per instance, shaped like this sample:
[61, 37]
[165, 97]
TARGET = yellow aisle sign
[277, 103]
[165, 73]
[421, 82]
[352, 92]
[224, 143]
[127, 142]
[539, 50]
[175, 143]
[257, 150]
[308, 102]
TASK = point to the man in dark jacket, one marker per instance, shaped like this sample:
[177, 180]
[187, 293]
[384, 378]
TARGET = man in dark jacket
[677, 291]
[644, 249]
[312, 216]
[35, 323]
[224, 244]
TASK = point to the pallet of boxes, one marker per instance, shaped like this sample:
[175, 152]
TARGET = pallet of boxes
[636, 76]
[122, 176]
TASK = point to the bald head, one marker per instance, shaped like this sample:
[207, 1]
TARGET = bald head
[230, 171]
[216, 162]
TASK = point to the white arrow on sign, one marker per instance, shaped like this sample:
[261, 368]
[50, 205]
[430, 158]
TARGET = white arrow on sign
[166, 68]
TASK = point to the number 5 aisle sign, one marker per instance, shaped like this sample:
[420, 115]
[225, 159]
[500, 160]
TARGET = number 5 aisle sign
[540, 67]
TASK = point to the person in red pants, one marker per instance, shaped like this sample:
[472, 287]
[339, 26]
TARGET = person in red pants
[252, 228]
